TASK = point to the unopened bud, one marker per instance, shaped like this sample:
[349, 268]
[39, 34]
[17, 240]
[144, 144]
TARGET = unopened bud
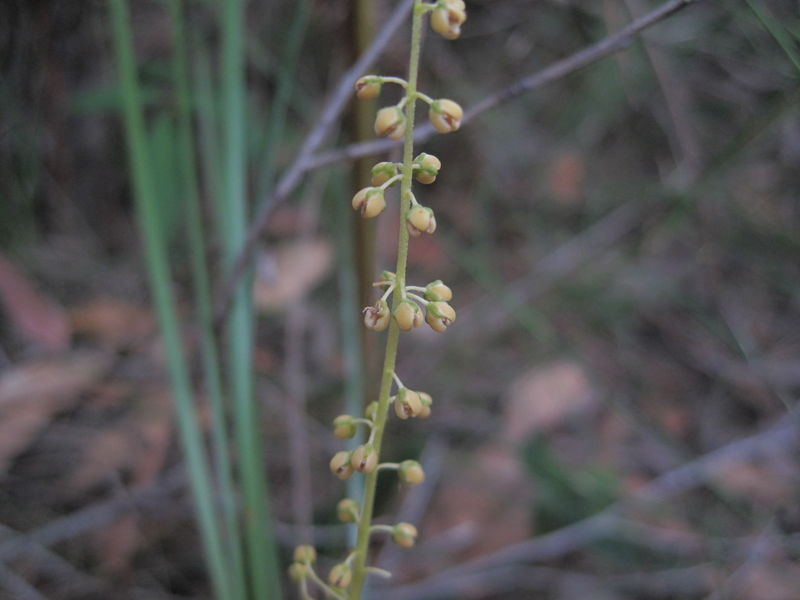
[347, 510]
[340, 465]
[439, 315]
[298, 571]
[340, 576]
[390, 122]
[369, 201]
[408, 315]
[305, 554]
[404, 535]
[368, 86]
[445, 115]
[383, 172]
[411, 472]
[407, 403]
[377, 317]
[427, 401]
[436, 291]
[427, 168]
[364, 459]
[420, 219]
[447, 20]
[344, 427]
[371, 411]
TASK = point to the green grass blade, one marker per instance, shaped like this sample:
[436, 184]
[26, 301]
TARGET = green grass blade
[777, 31]
[276, 123]
[158, 271]
[259, 539]
[202, 294]
[350, 327]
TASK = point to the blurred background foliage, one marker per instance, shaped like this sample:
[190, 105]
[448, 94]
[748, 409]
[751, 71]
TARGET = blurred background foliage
[623, 244]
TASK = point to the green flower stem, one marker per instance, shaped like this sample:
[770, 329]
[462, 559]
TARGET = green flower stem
[202, 295]
[327, 590]
[388, 466]
[390, 181]
[380, 572]
[425, 98]
[261, 551]
[304, 590]
[397, 80]
[156, 256]
[362, 543]
[383, 528]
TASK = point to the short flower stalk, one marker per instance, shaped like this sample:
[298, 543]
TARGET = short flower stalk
[400, 308]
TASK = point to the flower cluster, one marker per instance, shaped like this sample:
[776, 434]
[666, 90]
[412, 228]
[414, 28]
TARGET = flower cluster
[401, 307]
[408, 311]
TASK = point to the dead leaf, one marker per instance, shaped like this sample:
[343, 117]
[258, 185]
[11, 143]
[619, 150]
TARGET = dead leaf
[136, 445]
[489, 493]
[112, 322]
[759, 482]
[776, 581]
[38, 318]
[32, 394]
[116, 543]
[545, 397]
[566, 177]
[291, 272]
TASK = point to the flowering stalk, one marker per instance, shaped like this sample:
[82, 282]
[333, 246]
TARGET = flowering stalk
[346, 579]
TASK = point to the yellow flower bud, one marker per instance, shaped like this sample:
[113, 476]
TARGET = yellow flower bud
[445, 115]
[377, 317]
[427, 168]
[404, 535]
[427, 401]
[364, 459]
[383, 172]
[407, 403]
[390, 122]
[368, 86]
[305, 554]
[369, 201]
[371, 411]
[411, 472]
[439, 315]
[420, 219]
[347, 510]
[340, 465]
[408, 315]
[344, 427]
[298, 571]
[340, 576]
[447, 20]
[436, 291]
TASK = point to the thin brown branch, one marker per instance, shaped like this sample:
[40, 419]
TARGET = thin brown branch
[558, 70]
[576, 536]
[94, 516]
[307, 160]
[298, 168]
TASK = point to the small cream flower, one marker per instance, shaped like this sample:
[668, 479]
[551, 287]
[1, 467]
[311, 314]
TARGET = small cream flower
[390, 122]
[439, 315]
[420, 219]
[445, 115]
[368, 86]
[404, 535]
[369, 201]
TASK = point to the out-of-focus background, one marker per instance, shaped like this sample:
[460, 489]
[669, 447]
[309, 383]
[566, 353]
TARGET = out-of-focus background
[615, 408]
